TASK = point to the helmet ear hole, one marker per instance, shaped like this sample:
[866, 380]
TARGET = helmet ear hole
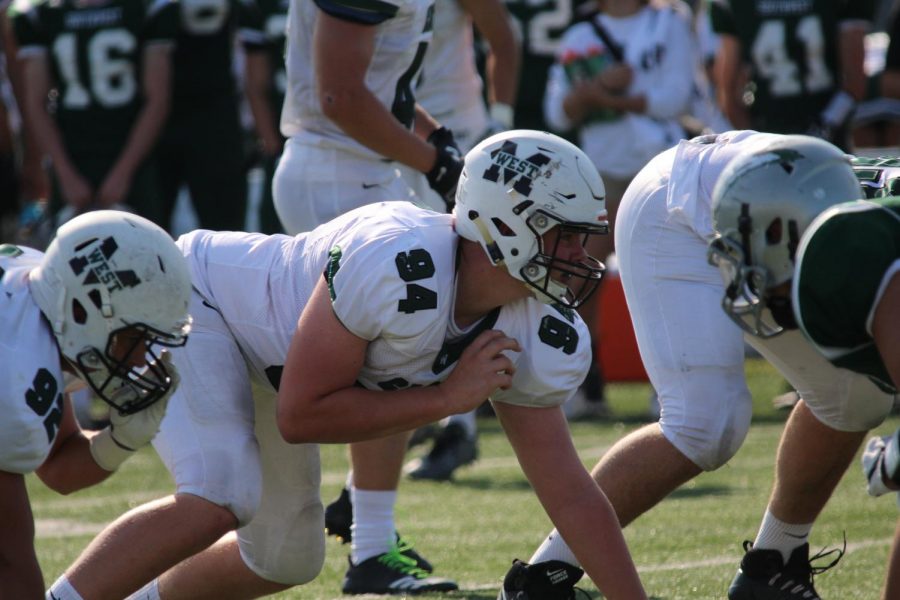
[79, 314]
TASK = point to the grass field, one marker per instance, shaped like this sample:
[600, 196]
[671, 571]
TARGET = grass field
[471, 529]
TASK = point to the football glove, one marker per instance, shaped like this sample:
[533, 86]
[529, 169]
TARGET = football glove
[444, 175]
[127, 433]
[881, 464]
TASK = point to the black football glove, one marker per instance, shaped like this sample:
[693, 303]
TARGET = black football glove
[444, 175]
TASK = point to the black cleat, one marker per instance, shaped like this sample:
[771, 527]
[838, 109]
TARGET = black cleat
[548, 580]
[393, 572]
[339, 518]
[764, 575]
[453, 448]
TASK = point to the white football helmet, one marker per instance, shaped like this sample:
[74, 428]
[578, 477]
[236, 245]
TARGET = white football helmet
[762, 204]
[104, 272]
[516, 186]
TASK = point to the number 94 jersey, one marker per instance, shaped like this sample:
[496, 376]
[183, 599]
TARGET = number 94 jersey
[31, 379]
[391, 273]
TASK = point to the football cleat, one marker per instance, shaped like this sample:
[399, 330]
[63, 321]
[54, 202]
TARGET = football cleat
[764, 575]
[339, 518]
[452, 449]
[393, 572]
[548, 580]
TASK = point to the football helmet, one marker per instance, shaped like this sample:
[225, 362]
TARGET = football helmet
[518, 185]
[762, 203]
[107, 276]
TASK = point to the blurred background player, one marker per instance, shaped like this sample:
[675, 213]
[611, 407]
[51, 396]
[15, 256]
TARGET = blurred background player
[202, 145]
[109, 63]
[264, 85]
[792, 67]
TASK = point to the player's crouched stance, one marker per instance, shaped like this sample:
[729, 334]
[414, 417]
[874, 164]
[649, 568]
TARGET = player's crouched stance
[385, 319]
[111, 288]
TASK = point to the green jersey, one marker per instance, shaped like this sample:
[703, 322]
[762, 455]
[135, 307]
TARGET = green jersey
[792, 49]
[95, 54]
[541, 24]
[845, 259]
[204, 49]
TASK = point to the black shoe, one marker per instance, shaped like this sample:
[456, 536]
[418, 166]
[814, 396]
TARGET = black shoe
[393, 572]
[765, 576]
[453, 448]
[339, 517]
[549, 580]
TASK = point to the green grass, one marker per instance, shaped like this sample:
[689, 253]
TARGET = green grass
[687, 547]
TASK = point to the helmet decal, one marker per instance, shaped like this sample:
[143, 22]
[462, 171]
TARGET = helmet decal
[96, 261]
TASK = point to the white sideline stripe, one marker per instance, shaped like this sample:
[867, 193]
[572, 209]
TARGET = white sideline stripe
[64, 528]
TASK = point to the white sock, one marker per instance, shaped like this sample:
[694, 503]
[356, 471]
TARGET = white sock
[148, 592]
[63, 590]
[778, 535]
[348, 483]
[373, 526]
[554, 548]
[466, 421]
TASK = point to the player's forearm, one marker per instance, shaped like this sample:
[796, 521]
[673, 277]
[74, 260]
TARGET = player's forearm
[71, 467]
[357, 414]
[361, 116]
[257, 83]
[591, 529]
[852, 57]
[49, 140]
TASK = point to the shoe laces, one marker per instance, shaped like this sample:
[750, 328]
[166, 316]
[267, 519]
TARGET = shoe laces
[822, 554]
[396, 560]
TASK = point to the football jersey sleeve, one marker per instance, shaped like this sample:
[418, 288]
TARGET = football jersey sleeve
[556, 354]
[30, 35]
[162, 22]
[365, 12]
[251, 30]
[722, 17]
[383, 287]
[857, 10]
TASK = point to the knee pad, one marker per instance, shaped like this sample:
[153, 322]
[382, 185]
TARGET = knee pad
[707, 417]
[287, 548]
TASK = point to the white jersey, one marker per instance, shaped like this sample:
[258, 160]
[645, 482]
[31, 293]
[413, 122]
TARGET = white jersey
[692, 168]
[391, 270]
[403, 34]
[658, 44]
[31, 378]
[449, 84]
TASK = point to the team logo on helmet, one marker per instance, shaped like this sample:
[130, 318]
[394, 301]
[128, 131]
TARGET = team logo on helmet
[506, 163]
[96, 262]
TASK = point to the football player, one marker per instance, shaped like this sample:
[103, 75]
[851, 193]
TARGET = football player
[202, 144]
[874, 228]
[799, 65]
[450, 89]
[382, 320]
[350, 110]
[693, 350]
[109, 63]
[95, 310]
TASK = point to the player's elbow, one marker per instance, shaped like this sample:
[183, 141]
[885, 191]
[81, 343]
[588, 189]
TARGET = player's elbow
[339, 103]
[295, 425]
